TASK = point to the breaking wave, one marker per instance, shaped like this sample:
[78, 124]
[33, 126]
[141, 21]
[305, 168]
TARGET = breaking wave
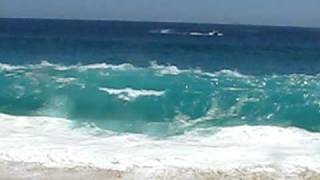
[55, 142]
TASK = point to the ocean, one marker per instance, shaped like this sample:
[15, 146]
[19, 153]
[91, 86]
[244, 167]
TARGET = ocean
[156, 98]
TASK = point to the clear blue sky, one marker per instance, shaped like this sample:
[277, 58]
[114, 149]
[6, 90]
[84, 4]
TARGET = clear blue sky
[265, 12]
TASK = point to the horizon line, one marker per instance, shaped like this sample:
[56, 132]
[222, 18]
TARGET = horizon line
[173, 22]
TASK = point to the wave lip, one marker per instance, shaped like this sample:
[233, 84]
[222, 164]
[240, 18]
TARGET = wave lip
[158, 68]
[59, 67]
[8, 67]
[166, 70]
[129, 94]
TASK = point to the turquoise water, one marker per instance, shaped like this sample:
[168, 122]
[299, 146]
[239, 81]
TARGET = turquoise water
[159, 100]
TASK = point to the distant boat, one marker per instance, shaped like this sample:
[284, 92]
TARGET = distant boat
[194, 33]
[215, 33]
[211, 33]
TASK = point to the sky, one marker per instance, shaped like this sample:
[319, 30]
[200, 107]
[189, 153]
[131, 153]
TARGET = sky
[256, 12]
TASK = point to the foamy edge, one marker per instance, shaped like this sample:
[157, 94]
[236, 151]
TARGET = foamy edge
[54, 142]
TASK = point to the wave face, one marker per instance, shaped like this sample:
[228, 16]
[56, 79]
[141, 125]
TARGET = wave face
[159, 100]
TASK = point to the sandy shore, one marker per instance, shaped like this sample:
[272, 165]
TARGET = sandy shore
[27, 171]
[24, 171]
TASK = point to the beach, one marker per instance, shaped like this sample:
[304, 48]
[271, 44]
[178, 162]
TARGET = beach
[23, 171]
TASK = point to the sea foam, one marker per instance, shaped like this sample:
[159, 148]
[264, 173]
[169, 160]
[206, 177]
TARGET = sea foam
[159, 69]
[60, 67]
[129, 94]
[55, 142]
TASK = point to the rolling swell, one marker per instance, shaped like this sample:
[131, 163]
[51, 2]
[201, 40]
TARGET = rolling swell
[159, 99]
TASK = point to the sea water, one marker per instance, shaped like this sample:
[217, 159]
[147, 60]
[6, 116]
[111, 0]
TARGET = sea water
[121, 95]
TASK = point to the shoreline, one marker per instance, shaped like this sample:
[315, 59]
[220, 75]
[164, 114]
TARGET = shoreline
[22, 171]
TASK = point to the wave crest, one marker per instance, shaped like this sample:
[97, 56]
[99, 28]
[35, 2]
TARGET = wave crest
[129, 94]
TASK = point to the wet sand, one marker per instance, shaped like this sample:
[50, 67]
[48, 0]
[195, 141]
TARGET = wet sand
[27, 171]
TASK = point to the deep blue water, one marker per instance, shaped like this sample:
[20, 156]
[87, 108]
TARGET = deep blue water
[247, 49]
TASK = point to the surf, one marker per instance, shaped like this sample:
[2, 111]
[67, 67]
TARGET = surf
[58, 143]
[166, 100]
